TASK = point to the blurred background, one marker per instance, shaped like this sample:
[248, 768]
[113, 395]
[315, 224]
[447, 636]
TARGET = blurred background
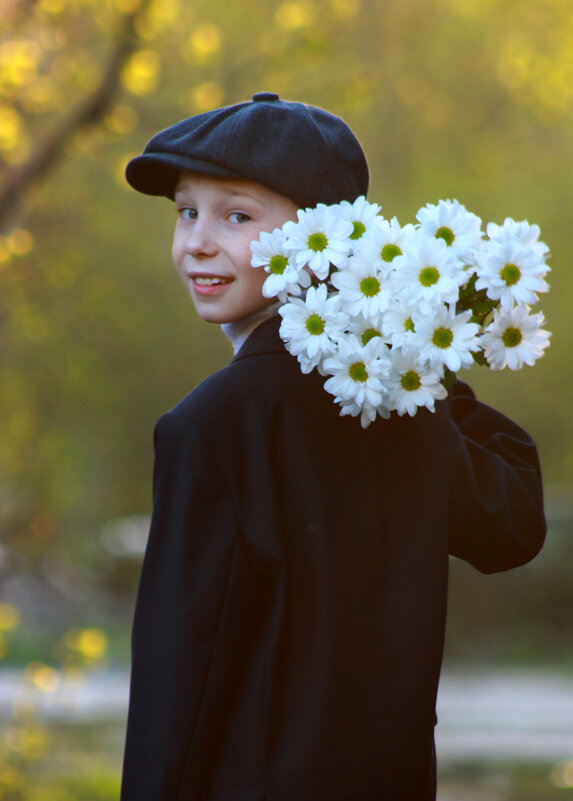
[471, 99]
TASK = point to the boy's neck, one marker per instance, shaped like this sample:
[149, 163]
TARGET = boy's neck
[239, 330]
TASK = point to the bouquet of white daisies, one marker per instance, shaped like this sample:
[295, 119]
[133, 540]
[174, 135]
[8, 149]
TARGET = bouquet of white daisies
[389, 313]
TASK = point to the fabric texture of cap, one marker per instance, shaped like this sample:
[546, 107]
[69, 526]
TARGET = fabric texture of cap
[302, 152]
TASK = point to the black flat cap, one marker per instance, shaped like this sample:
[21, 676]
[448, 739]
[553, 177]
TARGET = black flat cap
[302, 152]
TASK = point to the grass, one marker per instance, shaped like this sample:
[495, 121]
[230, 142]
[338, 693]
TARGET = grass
[82, 762]
[500, 781]
[40, 762]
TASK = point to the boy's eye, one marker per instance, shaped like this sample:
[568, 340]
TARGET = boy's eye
[239, 217]
[187, 213]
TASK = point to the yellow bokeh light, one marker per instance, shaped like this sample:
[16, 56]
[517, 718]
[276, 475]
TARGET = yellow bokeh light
[205, 42]
[10, 128]
[296, 14]
[9, 617]
[141, 74]
[3, 647]
[14, 141]
[19, 61]
[52, 6]
[166, 11]
[91, 643]
[562, 775]
[344, 9]
[207, 95]
[20, 242]
[157, 17]
[43, 677]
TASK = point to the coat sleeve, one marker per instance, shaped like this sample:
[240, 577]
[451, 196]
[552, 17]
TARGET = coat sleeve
[191, 571]
[497, 519]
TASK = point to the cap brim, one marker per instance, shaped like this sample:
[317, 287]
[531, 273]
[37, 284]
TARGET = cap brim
[158, 173]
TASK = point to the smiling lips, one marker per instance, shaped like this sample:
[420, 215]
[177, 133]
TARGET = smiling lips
[208, 284]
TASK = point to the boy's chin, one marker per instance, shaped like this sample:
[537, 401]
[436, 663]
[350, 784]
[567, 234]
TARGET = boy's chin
[227, 317]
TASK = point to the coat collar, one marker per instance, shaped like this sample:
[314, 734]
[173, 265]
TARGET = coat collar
[264, 339]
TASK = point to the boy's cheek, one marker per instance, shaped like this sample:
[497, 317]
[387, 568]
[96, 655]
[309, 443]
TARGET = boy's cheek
[177, 263]
[175, 255]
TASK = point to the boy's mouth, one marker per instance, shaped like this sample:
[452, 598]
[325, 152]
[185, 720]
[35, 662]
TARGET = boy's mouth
[208, 284]
[209, 280]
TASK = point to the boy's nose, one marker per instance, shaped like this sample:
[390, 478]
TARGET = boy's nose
[201, 240]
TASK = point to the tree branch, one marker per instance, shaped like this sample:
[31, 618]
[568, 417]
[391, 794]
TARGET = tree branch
[18, 180]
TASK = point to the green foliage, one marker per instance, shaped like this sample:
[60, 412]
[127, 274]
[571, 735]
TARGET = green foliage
[502, 781]
[43, 762]
[478, 301]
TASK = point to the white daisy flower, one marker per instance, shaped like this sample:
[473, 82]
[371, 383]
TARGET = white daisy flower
[528, 234]
[385, 242]
[284, 278]
[267, 248]
[311, 327]
[361, 214]
[412, 384]
[358, 371]
[388, 330]
[452, 222]
[447, 339]
[399, 323]
[367, 414]
[510, 272]
[428, 274]
[318, 239]
[361, 288]
[364, 328]
[307, 365]
[514, 338]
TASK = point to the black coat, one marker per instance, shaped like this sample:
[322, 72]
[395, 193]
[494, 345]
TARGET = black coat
[290, 620]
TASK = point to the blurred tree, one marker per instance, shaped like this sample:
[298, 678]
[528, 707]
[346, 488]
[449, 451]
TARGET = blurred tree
[43, 67]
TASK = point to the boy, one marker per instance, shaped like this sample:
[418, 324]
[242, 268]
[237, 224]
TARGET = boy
[289, 626]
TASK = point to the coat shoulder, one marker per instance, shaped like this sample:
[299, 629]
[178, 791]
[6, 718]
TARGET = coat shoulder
[249, 383]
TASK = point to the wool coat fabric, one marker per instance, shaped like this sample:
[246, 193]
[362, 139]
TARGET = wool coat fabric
[289, 625]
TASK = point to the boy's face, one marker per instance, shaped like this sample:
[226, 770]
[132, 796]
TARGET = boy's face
[218, 218]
